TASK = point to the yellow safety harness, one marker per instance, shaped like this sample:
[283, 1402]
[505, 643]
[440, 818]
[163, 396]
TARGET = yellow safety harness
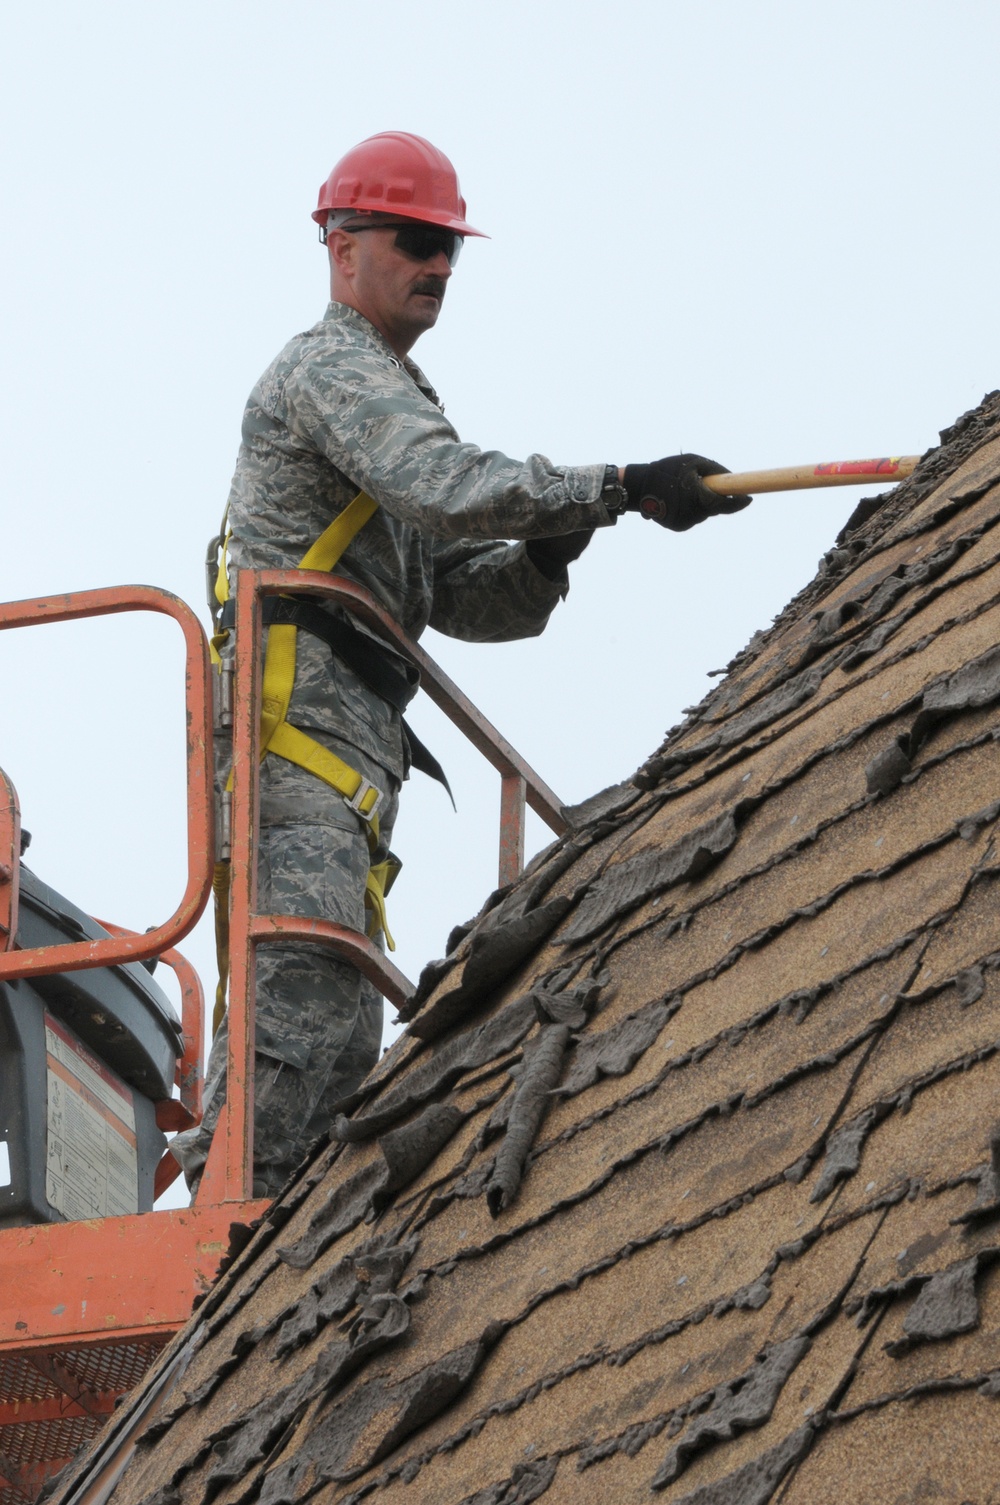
[277, 735]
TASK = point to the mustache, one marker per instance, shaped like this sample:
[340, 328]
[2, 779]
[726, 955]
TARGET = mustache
[434, 286]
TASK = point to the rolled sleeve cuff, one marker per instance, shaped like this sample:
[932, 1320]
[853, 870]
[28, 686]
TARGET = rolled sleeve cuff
[585, 484]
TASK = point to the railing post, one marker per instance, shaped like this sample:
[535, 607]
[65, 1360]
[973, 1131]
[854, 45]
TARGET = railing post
[512, 793]
[243, 895]
[191, 1067]
[10, 861]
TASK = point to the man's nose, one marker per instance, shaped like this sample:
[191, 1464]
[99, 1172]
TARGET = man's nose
[439, 265]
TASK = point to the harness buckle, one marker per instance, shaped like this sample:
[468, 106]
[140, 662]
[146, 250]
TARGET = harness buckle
[361, 793]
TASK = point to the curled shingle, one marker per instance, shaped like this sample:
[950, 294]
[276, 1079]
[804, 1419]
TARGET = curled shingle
[946, 1306]
[527, 1482]
[748, 1298]
[542, 1066]
[570, 1006]
[343, 1209]
[494, 954]
[872, 642]
[976, 684]
[987, 1203]
[248, 1440]
[625, 885]
[756, 1482]
[609, 802]
[843, 1153]
[404, 1154]
[373, 1270]
[970, 986]
[468, 1051]
[504, 935]
[615, 1051]
[371, 1420]
[887, 770]
[409, 1149]
[736, 1407]
[787, 697]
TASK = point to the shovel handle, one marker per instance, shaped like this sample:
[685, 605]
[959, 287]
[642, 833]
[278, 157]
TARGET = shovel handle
[801, 477]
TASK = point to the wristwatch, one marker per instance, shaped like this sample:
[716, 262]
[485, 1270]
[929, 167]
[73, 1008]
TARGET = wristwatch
[613, 493]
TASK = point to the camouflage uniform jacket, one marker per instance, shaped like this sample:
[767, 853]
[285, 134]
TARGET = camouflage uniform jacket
[336, 413]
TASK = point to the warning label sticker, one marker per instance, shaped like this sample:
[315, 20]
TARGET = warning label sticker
[91, 1168]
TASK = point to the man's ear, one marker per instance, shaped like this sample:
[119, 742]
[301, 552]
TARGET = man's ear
[343, 251]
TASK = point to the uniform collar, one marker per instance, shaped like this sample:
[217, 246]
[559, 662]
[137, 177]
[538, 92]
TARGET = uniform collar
[344, 315]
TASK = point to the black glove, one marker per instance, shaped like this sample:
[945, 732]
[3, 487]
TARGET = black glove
[550, 556]
[670, 493]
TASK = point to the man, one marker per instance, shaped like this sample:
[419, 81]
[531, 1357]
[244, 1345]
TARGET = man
[344, 411]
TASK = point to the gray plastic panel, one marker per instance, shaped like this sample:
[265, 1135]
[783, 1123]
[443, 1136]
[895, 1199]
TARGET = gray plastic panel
[120, 1012]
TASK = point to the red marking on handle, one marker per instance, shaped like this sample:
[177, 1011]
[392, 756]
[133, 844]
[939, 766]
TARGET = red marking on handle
[884, 467]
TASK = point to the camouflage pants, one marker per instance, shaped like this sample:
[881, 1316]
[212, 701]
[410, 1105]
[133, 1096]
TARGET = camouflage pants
[319, 1023]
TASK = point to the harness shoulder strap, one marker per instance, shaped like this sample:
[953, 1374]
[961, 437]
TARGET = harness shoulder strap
[279, 737]
[326, 551]
[279, 660]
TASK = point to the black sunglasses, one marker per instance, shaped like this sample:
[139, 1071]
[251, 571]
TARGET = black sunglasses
[421, 242]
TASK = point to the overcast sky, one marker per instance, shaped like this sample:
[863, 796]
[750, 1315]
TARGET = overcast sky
[762, 231]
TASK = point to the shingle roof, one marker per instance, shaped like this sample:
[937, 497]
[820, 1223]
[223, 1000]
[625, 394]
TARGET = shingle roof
[684, 1182]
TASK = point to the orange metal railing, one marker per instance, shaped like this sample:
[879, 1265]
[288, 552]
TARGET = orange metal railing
[74, 956]
[10, 860]
[127, 945]
[228, 1175]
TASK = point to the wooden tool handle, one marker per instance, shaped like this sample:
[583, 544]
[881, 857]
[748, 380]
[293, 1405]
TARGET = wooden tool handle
[801, 477]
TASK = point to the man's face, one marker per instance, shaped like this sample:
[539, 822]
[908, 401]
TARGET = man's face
[399, 294]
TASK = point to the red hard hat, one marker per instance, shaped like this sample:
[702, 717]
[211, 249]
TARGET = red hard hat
[398, 174]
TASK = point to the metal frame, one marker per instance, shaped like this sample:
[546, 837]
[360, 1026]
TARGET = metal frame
[229, 1171]
[75, 956]
[10, 861]
[109, 1280]
[129, 945]
[228, 1175]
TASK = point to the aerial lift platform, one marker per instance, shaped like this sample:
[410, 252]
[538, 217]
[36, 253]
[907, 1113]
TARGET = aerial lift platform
[93, 1281]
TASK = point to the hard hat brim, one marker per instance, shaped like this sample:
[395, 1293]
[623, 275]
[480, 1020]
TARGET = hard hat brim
[425, 217]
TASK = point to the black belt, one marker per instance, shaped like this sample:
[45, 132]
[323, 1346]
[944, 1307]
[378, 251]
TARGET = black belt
[388, 676]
